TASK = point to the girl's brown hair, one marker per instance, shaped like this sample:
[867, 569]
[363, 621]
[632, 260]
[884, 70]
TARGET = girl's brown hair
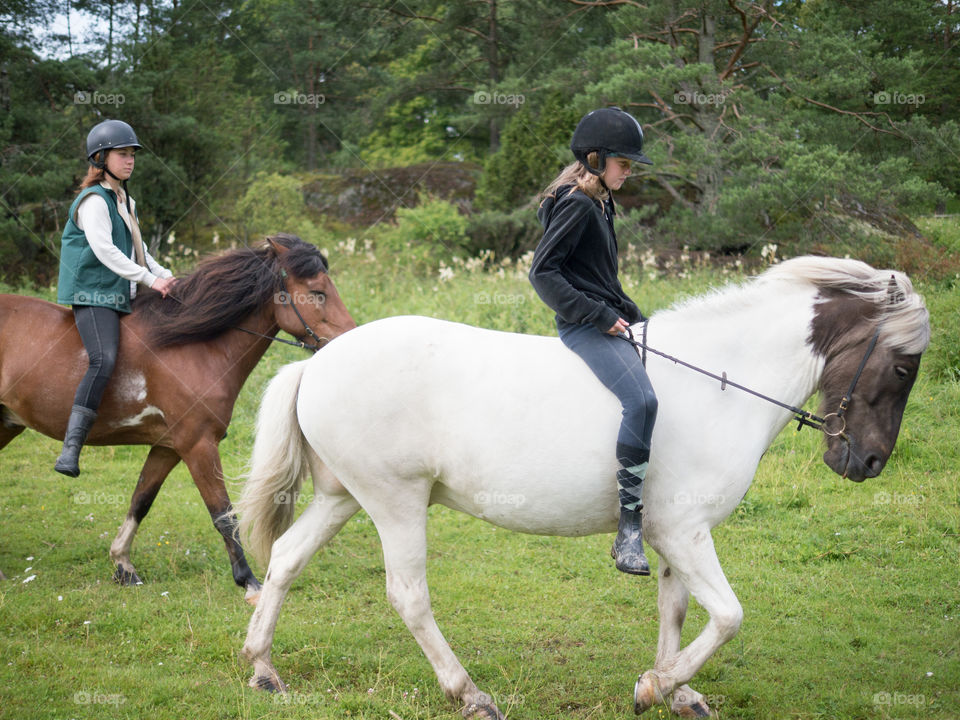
[94, 176]
[577, 174]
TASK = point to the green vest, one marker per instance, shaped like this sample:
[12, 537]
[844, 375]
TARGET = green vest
[84, 280]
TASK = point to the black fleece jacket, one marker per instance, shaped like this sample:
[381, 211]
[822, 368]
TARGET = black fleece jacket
[574, 267]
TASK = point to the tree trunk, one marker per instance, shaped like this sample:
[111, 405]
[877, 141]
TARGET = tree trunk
[110, 40]
[493, 61]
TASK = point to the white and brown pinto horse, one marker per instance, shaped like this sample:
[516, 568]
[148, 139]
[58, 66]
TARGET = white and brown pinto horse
[409, 411]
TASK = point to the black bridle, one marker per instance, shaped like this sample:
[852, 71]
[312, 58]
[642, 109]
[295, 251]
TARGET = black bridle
[286, 298]
[803, 417]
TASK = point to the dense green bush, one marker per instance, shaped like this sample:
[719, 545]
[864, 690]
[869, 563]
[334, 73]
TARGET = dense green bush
[433, 232]
[506, 234]
[274, 203]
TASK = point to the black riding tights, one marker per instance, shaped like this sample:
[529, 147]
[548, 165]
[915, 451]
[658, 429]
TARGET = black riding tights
[100, 332]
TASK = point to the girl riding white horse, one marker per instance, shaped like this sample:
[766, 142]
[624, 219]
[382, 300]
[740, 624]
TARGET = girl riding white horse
[409, 411]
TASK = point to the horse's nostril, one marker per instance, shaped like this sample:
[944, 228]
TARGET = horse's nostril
[874, 465]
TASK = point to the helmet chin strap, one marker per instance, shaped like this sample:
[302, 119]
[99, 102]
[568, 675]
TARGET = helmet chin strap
[102, 165]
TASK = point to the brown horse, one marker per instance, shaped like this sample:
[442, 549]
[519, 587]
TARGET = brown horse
[180, 367]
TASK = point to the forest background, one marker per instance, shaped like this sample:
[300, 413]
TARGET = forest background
[814, 126]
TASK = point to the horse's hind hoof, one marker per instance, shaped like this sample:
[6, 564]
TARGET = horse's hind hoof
[126, 577]
[269, 684]
[646, 693]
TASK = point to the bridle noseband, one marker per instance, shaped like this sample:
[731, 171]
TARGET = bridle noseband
[845, 400]
[287, 295]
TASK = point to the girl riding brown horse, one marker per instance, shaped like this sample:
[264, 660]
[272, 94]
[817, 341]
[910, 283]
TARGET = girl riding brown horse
[102, 260]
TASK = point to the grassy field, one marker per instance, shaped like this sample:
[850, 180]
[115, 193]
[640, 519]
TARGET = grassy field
[851, 592]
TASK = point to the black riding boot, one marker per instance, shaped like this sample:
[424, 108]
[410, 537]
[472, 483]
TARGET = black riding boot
[627, 549]
[81, 420]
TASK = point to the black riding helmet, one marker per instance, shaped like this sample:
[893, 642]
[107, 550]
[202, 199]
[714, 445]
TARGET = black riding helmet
[609, 132]
[109, 135]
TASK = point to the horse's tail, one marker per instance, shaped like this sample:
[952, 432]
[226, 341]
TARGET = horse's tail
[277, 467]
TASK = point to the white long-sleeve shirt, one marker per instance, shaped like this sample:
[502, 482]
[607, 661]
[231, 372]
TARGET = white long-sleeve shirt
[93, 218]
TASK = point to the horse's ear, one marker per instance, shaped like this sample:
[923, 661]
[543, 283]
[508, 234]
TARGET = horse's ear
[277, 248]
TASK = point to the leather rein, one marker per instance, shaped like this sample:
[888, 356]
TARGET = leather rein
[803, 417]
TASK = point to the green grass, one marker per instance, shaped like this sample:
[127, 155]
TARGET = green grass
[851, 592]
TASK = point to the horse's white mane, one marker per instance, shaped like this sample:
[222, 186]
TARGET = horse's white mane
[906, 322]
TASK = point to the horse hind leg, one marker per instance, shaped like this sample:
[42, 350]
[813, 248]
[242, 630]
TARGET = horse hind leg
[323, 518]
[401, 521]
[160, 461]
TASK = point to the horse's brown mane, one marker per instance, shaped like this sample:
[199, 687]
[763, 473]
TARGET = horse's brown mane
[224, 289]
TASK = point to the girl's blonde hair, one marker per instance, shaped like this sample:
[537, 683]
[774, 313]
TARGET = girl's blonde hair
[577, 174]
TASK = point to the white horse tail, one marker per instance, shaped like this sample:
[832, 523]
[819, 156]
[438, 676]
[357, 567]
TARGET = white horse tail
[277, 467]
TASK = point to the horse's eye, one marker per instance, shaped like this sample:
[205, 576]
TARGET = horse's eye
[901, 372]
[320, 296]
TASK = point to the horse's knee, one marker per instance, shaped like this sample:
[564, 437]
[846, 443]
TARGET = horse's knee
[728, 621]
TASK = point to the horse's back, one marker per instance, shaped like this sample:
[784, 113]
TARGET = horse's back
[499, 423]
[31, 311]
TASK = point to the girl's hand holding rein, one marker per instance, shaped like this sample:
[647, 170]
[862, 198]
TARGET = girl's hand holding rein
[619, 327]
[164, 285]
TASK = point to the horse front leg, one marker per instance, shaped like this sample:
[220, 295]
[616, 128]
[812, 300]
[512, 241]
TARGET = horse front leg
[160, 461]
[672, 601]
[203, 461]
[693, 562]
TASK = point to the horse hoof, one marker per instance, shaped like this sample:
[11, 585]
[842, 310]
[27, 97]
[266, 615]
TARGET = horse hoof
[474, 711]
[126, 577]
[697, 710]
[267, 683]
[646, 693]
[687, 703]
[252, 595]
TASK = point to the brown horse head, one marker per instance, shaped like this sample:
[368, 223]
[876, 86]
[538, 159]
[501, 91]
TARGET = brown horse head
[308, 305]
[270, 283]
[860, 441]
